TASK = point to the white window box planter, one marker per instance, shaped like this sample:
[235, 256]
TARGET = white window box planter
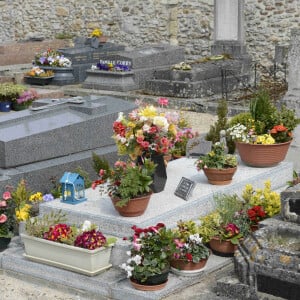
[83, 261]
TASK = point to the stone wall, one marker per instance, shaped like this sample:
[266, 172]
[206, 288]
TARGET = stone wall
[189, 23]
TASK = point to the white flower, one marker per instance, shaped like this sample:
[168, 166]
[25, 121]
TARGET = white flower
[161, 122]
[120, 116]
[86, 225]
[196, 238]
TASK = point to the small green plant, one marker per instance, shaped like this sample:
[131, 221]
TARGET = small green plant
[217, 159]
[126, 180]
[188, 242]
[36, 226]
[149, 253]
[64, 35]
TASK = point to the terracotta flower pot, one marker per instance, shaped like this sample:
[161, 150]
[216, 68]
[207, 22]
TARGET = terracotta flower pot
[134, 208]
[222, 248]
[187, 267]
[219, 176]
[262, 155]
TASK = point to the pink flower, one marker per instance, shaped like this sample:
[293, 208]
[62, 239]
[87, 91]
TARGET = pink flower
[6, 195]
[163, 101]
[3, 218]
[3, 203]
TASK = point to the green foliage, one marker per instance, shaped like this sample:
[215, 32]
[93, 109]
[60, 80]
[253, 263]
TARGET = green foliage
[189, 245]
[242, 118]
[221, 124]
[150, 252]
[85, 175]
[10, 91]
[99, 163]
[56, 189]
[216, 158]
[229, 221]
[38, 225]
[263, 112]
[127, 180]
[64, 35]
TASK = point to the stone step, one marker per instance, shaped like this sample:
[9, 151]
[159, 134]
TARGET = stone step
[112, 284]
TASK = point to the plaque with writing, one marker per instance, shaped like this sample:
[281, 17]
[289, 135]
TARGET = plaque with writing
[184, 188]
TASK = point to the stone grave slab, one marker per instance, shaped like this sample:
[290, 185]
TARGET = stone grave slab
[204, 79]
[74, 125]
[143, 61]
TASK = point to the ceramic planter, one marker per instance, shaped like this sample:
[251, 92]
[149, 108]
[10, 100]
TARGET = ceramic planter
[5, 106]
[35, 80]
[153, 283]
[79, 260]
[222, 248]
[219, 176]
[134, 208]
[182, 267]
[257, 155]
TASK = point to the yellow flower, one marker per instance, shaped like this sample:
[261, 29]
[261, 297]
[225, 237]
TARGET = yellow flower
[148, 112]
[131, 124]
[23, 213]
[96, 33]
[36, 197]
[172, 129]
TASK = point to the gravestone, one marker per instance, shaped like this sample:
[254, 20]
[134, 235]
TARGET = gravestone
[198, 146]
[144, 62]
[83, 56]
[57, 135]
[292, 97]
[229, 28]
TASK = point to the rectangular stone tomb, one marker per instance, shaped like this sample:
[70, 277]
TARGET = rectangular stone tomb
[56, 128]
[110, 80]
[203, 79]
[166, 206]
[143, 62]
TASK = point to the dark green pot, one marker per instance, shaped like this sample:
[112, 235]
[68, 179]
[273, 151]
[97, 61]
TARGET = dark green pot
[4, 242]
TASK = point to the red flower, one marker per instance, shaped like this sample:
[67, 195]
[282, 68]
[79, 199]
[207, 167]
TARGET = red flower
[119, 128]
[189, 256]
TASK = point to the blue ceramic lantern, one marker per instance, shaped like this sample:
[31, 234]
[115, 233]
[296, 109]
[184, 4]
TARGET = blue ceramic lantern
[72, 188]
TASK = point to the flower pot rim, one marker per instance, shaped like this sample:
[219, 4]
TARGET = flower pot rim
[221, 169]
[261, 145]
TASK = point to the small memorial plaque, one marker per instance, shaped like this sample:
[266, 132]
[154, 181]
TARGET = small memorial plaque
[184, 188]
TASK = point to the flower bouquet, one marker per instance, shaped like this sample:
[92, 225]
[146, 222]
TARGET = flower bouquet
[52, 58]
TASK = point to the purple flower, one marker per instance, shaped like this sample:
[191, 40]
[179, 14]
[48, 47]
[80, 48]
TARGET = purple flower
[48, 197]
